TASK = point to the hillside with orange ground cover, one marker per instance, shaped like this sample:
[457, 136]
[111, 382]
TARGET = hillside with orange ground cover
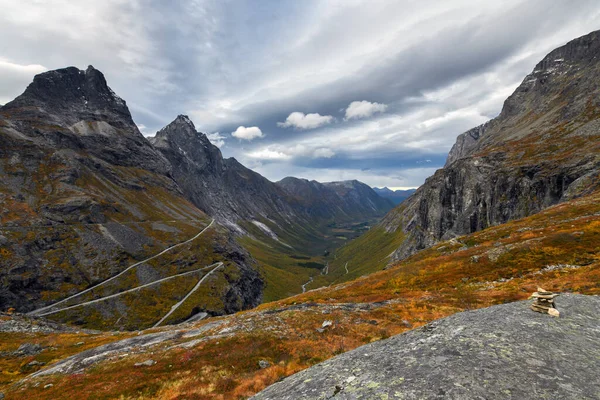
[558, 249]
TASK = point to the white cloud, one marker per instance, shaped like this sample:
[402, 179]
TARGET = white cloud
[249, 133]
[269, 154]
[281, 152]
[323, 152]
[363, 109]
[216, 138]
[300, 120]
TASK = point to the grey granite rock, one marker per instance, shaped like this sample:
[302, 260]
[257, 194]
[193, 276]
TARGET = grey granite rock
[29, 349]
[501, 352]
[147, 363]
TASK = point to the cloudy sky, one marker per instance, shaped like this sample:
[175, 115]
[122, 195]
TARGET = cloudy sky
[328, 90]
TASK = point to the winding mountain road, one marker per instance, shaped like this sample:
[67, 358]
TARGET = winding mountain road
[176, 306]
[304, 286]
[112, 296]
[40, 311]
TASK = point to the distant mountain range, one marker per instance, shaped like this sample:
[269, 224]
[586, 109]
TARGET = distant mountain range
[397, 196]
[226, 189]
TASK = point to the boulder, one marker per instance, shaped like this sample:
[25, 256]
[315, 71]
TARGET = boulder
[500, 352]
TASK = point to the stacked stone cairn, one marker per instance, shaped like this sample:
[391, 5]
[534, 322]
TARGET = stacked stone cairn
[543, 302]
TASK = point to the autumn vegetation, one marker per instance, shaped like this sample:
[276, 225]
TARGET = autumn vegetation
[558, 249]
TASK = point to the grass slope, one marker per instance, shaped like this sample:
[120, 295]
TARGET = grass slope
[299, 254]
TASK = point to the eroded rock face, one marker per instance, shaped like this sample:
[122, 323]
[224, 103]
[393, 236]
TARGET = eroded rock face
[505, 351]
[543, 148]
[75, 109]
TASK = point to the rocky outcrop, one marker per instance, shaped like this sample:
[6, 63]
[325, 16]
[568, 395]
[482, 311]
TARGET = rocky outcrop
[76, 110]
[543, 149]
[467, 142]
[504, 351]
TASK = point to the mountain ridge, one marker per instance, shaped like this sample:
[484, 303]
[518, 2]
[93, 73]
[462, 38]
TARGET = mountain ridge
[542, 149]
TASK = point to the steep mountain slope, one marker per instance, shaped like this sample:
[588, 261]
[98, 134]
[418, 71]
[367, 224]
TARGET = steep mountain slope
[397, 196]
[543, 149]
[241, 354]
[84, 195]
[221, 187]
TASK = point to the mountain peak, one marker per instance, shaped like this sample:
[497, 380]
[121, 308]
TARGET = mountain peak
[181, 128]
[582, 49]
[180, 140]
[184, 119]
[74, 94]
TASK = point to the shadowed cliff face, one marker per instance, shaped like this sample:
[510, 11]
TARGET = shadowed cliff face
[72, 95]
[71, 109]
[543, 148]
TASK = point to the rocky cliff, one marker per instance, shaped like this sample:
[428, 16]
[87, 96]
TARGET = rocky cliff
[505, 351]
[543, 148]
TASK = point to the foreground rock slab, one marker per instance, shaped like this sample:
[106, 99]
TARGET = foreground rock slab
[500, 352]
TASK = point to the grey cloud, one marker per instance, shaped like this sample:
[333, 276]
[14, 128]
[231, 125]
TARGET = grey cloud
[441, 67]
